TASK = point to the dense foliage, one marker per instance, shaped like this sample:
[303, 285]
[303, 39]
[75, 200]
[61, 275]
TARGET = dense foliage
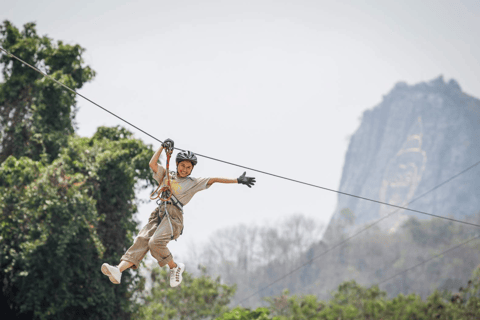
[352, 301]
[197, 298]
[66, 202]
[60, 220]
[67, 205]
[239, 313]
[36, 114]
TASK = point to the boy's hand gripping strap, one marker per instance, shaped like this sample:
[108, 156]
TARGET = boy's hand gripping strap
[156, 194]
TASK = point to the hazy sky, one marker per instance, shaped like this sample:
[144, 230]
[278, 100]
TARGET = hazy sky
[278, 86]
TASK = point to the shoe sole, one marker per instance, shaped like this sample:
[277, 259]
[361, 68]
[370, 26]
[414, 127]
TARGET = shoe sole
[107, 272]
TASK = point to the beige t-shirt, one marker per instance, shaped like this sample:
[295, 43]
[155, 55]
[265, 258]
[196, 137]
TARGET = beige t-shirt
[183, 188]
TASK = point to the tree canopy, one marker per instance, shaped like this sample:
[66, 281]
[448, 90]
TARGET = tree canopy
[66, 202]
[36, 114]
[67, 205]
[351, 301]
[199, 297]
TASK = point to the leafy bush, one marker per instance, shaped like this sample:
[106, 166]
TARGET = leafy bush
[196, 298]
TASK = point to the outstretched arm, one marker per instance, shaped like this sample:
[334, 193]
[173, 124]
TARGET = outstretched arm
[220, 180]
[249, 181]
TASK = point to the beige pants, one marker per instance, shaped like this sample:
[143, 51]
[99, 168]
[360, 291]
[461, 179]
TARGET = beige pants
[155, 236]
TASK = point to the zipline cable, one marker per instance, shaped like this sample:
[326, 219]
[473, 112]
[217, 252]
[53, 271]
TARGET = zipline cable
[252, 169]
[231, 163]
[313, 284]
[425, 261]
[356, 234]
[431, 258]
[75, 92]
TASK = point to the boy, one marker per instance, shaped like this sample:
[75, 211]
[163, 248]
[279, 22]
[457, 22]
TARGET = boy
[166, 221]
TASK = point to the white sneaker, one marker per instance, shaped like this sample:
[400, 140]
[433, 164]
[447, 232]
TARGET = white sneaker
[176, 275]
[112, 272]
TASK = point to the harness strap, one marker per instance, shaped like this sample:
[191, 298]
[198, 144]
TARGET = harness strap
[168, 216]
[166, 191]
[168, 187]
[173, 200]
[176, 203]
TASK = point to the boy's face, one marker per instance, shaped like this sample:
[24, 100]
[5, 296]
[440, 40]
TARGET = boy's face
[184, 168]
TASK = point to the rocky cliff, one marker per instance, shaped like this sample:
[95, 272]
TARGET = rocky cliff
[416, 138]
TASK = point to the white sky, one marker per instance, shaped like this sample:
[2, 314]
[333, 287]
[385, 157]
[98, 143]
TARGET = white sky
[278, 86]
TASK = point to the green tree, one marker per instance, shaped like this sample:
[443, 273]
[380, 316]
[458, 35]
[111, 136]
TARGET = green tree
[294, 307]
[352, 301]
[60, 220]
[36, 114]
[197, 298]
[66, 202]
[247, 314]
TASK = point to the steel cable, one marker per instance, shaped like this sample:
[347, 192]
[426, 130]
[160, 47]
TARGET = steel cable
[285, 178]
[359, 232]
[231, 163]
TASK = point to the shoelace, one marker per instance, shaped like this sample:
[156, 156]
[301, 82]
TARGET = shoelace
[178, 274]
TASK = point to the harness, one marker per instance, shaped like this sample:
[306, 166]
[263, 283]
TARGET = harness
[165, 195]
[168, 187]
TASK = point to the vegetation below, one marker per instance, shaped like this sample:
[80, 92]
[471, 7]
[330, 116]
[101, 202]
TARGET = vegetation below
[67, 205]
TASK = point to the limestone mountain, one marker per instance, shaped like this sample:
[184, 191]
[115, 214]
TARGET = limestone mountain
[416, 138]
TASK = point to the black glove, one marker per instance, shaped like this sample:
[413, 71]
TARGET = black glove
[249, 181]
[168, 144]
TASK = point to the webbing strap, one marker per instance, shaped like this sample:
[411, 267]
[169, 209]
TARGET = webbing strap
[168, 217]
[167, 214]
[168, 186]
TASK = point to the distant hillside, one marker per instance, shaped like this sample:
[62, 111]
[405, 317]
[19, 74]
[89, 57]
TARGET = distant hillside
[417, 137]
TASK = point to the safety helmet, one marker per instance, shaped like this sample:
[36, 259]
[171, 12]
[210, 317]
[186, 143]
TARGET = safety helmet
[186, 155]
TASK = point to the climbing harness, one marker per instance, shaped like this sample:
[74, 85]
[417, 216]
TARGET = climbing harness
[166, 214]
[175, 203]
[165, 195]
